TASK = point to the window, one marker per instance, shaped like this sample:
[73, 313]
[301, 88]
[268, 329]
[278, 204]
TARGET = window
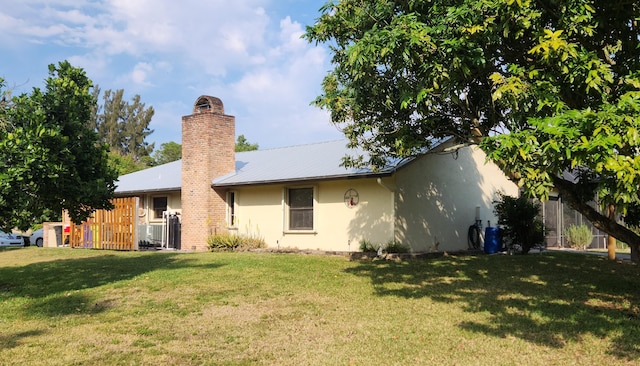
[159, 206]
[231, 209]
[300, 202]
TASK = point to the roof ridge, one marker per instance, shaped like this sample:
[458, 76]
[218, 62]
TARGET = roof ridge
[295, 146]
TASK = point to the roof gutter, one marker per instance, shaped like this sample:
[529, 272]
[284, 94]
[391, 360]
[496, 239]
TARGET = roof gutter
[139, 192]
[299, 180]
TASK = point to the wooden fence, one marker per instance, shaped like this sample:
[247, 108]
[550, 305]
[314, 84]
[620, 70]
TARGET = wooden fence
[112, 230]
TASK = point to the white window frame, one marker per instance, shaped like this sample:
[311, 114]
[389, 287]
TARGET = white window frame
[232, 209]
[287, 211]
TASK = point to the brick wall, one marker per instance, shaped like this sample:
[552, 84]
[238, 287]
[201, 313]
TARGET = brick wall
[208, 151]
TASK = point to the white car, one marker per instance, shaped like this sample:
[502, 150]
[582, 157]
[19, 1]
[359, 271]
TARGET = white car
[37, 238]
[11, 240]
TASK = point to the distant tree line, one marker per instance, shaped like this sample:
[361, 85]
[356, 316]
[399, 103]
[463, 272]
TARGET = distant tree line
[124, 126]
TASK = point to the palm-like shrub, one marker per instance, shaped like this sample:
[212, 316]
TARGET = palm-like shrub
[520, 221]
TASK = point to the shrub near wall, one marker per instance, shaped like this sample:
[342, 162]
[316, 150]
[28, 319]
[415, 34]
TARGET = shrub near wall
[391, 246]
[520, 219]
[233, 242]
[578, 236]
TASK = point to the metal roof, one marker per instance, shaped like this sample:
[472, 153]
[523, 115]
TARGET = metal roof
[295, 163]
[165, 177]
[288, 164]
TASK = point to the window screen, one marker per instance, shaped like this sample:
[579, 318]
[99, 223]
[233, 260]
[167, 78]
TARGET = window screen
[300, 209]
[231, 204]
[159, 206]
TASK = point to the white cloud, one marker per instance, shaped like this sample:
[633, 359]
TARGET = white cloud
[140, 73]
[291, 34]
[276, 95]
[170, 52]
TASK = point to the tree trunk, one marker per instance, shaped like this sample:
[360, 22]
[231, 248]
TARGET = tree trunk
[611, 240]
[610, 226]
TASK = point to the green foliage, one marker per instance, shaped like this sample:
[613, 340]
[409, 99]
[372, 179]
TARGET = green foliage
[124, 164]
[226, 241]
[168, 152]
[520, 221]
[50, 159]
[406, 72]
[230, 241]
[599, 146]
[579, 236]
[243, 145]
[391, 246]
[123, 125]
[556, 83]
[368, 246]
[395, 247]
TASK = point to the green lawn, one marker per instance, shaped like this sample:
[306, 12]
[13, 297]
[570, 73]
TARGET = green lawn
[66, 307]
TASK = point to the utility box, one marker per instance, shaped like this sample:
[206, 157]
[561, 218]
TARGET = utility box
[52, 234]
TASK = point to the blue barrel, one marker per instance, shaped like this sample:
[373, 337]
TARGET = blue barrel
[492, 240]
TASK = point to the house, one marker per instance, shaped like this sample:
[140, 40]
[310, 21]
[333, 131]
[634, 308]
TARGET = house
[301, 196]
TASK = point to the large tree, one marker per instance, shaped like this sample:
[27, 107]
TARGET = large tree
[123, 125]
[168, 152]
[50, 159]
[545, 87]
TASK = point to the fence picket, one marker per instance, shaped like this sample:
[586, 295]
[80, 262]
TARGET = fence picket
[114, 229]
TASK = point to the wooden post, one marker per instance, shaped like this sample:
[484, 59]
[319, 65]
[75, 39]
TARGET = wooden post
[611, 241]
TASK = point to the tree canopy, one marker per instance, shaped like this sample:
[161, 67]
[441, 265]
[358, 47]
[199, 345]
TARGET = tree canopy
[243, 145]
[123, 125]
[546, 87]
[168, 152]
[50, 159]
[124, 164]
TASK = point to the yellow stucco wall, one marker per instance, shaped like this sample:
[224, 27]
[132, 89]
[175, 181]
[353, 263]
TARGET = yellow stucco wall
[261, 211]
[437, 198]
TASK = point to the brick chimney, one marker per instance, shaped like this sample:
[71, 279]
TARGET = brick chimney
[208, 151]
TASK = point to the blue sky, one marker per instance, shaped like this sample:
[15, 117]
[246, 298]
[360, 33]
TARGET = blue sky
[248, 53]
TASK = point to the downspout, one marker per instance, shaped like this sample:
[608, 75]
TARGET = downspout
[164, 230]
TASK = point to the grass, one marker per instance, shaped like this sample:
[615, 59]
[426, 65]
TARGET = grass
[82, 307]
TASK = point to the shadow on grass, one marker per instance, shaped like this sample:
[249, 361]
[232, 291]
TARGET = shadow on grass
[547, 299]
[12, 340]
[54, 288]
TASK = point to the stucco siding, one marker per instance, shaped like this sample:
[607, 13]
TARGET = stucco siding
[437, 197]
[262, 211]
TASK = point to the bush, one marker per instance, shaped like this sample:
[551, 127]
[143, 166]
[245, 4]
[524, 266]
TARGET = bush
[228, 241]
[367, 246]
[520, 221]
[395, 247]
[391, 247]
[579, 236]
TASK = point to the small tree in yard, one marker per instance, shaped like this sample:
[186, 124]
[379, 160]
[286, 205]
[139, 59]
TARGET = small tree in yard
[520, 218]
[50, 160]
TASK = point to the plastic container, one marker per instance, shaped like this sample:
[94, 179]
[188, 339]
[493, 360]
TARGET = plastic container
[492, 240]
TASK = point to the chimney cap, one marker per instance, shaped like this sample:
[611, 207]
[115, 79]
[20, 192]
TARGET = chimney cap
[208, 104]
